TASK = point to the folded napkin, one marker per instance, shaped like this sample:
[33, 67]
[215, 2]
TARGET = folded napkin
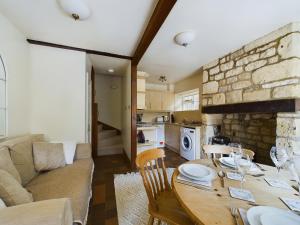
[277, 183]
[255, 170]
[293, 204]
[183, 178]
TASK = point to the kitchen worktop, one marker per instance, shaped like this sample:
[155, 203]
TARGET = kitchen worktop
[150, 124]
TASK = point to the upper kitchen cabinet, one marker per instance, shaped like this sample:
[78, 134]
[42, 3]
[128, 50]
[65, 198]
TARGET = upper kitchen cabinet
[159, 100]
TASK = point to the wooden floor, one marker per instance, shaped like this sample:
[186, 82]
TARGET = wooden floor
[103, 209]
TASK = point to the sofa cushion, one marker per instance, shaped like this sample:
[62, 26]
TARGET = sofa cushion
[72, 181]
[11, 191]
[22, 157]
[7, 164]
[48, 156]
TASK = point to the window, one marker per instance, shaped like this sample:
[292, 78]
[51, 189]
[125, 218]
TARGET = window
[2, 99]
[187, 101]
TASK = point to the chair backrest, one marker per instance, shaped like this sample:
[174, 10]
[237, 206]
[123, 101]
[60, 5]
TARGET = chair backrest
[154, 176]
[221, 150]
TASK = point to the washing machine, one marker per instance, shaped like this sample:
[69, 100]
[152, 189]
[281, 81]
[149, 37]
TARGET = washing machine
[190, 143]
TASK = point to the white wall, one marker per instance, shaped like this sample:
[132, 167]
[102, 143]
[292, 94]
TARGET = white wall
[14, 50]
[126, 111]
[109, 99]
[58, 93]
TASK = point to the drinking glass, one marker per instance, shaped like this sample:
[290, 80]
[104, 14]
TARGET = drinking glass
[236, 153]
[243, 166]
[279, 157]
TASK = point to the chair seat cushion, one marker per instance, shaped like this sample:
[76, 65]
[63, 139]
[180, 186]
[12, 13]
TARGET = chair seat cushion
[72, 181]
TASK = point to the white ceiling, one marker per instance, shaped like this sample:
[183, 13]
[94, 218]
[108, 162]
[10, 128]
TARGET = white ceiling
[221, 26]
[115, 26]
[102, 64]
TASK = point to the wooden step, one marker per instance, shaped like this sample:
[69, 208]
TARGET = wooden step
[114, 140]
[110, 150]
[107, 134]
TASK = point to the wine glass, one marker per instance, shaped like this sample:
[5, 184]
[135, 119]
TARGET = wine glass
[236, 153]
[243, 164]
[279, 157]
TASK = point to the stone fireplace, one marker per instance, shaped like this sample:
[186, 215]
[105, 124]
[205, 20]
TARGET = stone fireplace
[253, 93]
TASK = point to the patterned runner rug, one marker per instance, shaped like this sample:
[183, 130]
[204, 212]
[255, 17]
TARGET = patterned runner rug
[131, 197]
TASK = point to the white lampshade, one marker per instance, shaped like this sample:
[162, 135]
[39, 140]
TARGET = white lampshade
[184, 38]
[78, 9]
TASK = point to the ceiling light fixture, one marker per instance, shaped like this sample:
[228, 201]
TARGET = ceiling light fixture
[111, 70]
[162, 79]
[184, 38]
[78, 9]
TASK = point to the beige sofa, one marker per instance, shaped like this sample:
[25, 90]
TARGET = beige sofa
[61, 196]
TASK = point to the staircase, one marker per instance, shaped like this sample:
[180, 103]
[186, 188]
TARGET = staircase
[109, 142]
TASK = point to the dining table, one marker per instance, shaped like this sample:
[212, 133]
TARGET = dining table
[213, 206]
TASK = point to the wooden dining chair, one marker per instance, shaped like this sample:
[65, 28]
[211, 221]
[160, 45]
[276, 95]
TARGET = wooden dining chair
[221, 150]
[163, 204]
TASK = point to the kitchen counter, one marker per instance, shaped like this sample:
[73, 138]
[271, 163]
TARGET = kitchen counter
[185, 125]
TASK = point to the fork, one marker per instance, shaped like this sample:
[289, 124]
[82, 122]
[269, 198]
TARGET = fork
[235, 214]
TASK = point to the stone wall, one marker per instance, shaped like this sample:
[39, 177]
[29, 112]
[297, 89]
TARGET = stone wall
[267, 68]
[254, 131]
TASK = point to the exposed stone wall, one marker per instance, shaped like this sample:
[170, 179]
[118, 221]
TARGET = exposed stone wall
[265, 69]
[288, 131]
[254, 131]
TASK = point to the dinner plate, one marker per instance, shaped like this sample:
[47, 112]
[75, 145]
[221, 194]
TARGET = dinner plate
[196, 172]
[284, 218]
[261, 215]
[228, 161]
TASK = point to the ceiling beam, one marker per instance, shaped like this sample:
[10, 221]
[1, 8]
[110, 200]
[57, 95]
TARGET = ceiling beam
[161, 11]
[88, 51]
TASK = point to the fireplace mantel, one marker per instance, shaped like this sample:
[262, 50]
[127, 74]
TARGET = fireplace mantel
[273, 106]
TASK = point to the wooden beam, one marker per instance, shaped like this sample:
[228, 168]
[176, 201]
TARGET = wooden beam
[273, 106]
[88, 51]
[133, 114]
[161, 11]
[158, 17]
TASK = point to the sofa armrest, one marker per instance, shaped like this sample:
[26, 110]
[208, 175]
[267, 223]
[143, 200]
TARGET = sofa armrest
[48, 212]
[83, 151]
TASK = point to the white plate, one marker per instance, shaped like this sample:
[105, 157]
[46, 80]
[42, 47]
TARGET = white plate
[284, 218]
[254, 214]
[196, 172]
[227, 161]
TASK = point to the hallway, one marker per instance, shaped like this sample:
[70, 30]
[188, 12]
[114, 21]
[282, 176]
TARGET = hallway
[103, 209]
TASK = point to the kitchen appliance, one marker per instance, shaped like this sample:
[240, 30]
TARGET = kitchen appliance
[159, 119]
[139, 118]
[219, 139]
[141, 137]
[165, 118]
[190, 143]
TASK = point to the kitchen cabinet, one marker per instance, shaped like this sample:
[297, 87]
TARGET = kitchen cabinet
[172, 136]
[141, 94]
[159, 100]
[140, 100]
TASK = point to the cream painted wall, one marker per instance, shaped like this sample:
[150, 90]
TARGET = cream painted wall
[14, 50]
[58, 93]
[109, 99]
[126, 111]
[189, 83]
